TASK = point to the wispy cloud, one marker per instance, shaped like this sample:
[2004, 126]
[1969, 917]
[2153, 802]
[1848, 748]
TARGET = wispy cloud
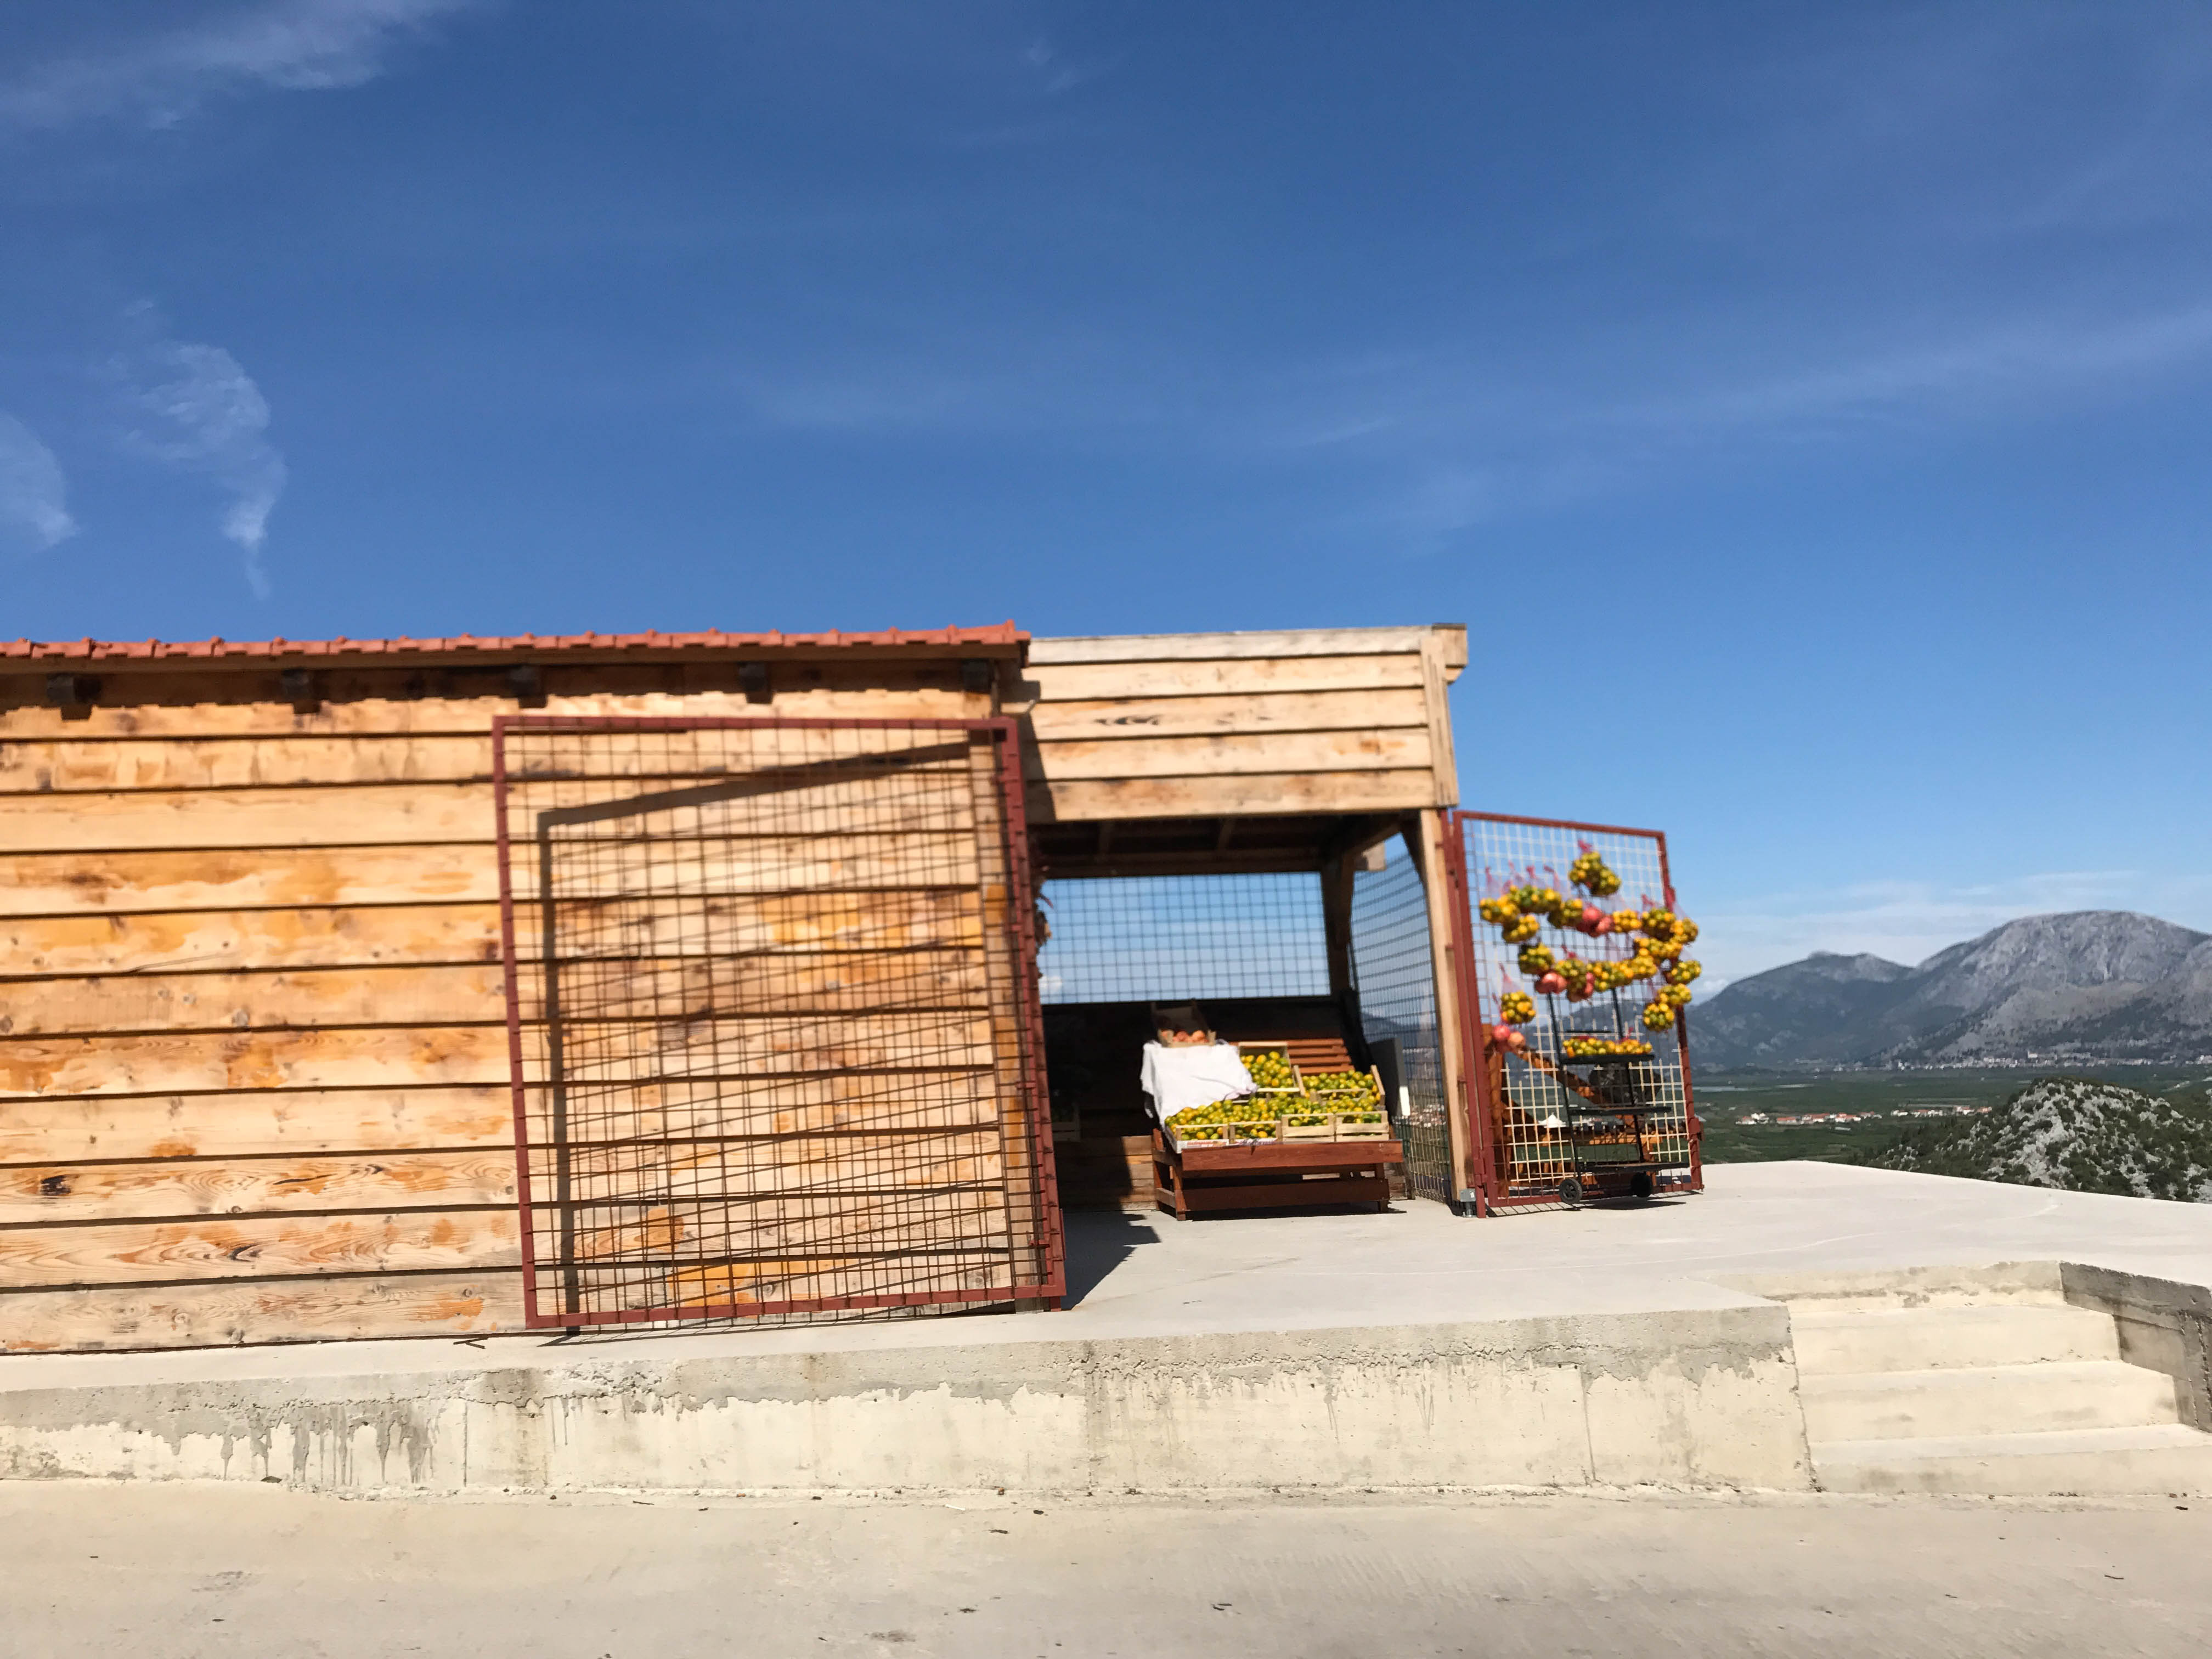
[162, 76]
[1473, 434]
[199, 412]
[34, 496]
[1470, 444]
[1056, 72]
[2025, 362]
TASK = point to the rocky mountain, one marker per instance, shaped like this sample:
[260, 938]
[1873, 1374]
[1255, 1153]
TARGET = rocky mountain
[2090, 985]
[2076, 1135]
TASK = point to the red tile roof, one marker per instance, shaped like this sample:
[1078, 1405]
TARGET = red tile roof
[218, 650]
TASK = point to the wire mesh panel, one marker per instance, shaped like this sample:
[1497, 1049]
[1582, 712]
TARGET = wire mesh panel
[1167, 938]
[772, 1017]
[1392, 968]
[1574, 953]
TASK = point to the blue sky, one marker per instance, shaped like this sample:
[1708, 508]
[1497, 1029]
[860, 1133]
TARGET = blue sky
[1806, 406]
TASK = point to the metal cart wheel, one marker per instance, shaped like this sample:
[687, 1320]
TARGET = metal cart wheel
[1640, 1185]
[1571, 1191]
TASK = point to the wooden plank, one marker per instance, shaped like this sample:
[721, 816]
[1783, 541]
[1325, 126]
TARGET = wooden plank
[1325, 752]
[194, 1062]
[1027, 1192]
[245, 1246]
[706, 1230]
[232, 703]
[1232, 677]
[909, 799]
[74, 765]
[82, 883]
[1427, 832]
[763, 864]
[69, 766]
[152, 820]
[674, 988]
[1251, 714]
[263, 1121]
[370, 815]
[618, 927]
[1286, 1194]
[67, 1130]
[209, 940]
[1292, 1156]
[744, 1283]
[603, 1056]
[1274, 643]
[796, 1166]
[1082, 801]
[215, 1002]
[852, 1103]
[228, 1313]
[786, 981]
[321, 879]
[44, 1194]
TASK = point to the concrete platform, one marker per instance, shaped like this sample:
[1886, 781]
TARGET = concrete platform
[1607, 1346]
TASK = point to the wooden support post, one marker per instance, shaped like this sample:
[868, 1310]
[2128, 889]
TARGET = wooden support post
[1425, 835]
[1435, 682]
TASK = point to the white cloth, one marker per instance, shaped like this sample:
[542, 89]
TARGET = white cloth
[1176, 1078]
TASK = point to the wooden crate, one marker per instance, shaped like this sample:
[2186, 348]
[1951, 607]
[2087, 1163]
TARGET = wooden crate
[1246, 1051]
[1356, 1100]
[1372, 1124]
[1204, 1177]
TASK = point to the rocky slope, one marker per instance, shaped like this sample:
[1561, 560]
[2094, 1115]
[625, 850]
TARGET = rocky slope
[2087, 985]
[2076, 1135]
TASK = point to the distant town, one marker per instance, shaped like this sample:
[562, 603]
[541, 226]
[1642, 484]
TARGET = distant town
[1749, 1119]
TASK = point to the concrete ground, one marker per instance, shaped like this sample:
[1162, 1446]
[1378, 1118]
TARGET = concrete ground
[183, 1570]
[1141, 1276]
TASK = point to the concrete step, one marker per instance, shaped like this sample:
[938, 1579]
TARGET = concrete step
[2058, 1394]
[1925, 1339]
[2164, 1458]
[1891, 1301]
[2035, 1284]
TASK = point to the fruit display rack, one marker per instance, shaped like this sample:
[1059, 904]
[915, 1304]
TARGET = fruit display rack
[1310, 1143]
[1579, 977]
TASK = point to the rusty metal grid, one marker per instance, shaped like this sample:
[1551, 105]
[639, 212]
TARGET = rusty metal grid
[1395, 972]
[772, 1017]
[1521, 1100]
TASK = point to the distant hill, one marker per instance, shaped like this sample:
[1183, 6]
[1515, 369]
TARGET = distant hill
[2074, 1134]
[2090, 985]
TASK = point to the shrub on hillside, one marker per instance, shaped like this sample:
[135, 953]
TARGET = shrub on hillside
[2075, 1134]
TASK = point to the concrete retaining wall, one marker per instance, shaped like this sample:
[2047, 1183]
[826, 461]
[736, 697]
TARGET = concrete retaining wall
[1705, 1398]
[2164, 1326]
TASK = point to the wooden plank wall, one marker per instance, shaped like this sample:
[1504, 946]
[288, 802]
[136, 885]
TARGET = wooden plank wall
[253, 1071]
[1322, 720]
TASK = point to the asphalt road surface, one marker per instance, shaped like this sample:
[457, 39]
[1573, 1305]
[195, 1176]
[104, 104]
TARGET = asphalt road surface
[176, 1572]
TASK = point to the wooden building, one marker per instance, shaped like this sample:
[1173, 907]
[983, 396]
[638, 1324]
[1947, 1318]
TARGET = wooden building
[259, 1050]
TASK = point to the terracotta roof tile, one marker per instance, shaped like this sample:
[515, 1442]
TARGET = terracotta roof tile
[132, 650]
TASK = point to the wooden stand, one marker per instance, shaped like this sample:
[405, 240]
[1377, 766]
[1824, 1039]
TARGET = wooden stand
[1271, 1175]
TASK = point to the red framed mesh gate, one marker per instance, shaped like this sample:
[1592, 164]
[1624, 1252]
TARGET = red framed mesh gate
[772, 1017]
[1537, 1106]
